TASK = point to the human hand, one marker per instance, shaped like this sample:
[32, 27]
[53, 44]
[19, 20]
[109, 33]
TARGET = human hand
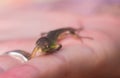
[92, 58]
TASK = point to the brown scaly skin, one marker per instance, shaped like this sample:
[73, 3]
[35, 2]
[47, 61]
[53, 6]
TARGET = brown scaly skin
[49, 41]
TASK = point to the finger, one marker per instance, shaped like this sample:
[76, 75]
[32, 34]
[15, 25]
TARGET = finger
[23, 71]
[8, 62]
[63, 64]
[72, 62]
[78, 60]
[60, 64]
[13, 58]
[56, 65]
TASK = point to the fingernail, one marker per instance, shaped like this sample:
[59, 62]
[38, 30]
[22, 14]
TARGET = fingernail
[21, 55]
[12, 58]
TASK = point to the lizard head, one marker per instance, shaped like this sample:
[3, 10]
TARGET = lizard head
[43, 43]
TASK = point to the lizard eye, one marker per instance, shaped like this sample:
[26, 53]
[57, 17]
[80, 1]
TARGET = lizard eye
[46, 45]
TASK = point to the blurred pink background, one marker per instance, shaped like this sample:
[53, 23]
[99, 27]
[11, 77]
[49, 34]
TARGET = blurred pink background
[25, 18]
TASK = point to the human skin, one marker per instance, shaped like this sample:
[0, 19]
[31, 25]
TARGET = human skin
[96, 58]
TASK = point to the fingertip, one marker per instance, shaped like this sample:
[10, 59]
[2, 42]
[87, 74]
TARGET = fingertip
[7, 62]
[23, 71]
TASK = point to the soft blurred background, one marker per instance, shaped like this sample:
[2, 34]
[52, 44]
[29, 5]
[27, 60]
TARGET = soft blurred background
[25, 18]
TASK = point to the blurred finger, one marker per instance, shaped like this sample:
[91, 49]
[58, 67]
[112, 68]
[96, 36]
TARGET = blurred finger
[13, 58]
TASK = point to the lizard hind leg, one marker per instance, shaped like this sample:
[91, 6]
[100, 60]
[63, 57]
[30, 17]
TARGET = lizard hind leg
[77, 36]
[57, 47]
